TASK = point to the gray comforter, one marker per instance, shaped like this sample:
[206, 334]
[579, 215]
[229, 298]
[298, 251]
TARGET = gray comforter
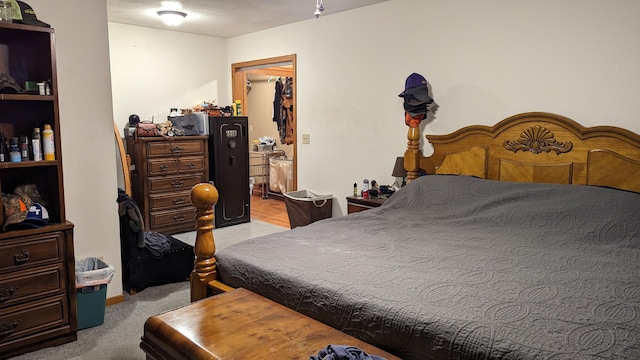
[463, 268]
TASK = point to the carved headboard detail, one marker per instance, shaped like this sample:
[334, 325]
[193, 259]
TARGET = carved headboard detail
[534, 147]
[538, 139]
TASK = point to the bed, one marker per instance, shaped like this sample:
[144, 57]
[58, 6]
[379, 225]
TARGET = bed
[521, 242]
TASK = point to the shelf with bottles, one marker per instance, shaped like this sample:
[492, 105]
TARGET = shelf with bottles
[27, 57]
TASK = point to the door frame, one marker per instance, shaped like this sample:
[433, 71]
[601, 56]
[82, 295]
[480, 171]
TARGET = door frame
[276, 66]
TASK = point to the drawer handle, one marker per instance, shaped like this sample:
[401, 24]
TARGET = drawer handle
[179, 201]
[192, 165]
[163, 168]
[177, 183]
[176, 149]
[7, 328]
[7, 293]
[180, 217]
[22, 257]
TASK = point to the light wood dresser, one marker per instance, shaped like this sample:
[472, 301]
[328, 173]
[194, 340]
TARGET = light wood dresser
[164, 171]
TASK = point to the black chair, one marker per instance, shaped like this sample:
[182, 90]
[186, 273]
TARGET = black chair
[145, 266]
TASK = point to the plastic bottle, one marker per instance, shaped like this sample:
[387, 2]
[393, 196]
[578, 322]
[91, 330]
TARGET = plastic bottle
[48, 145]
[238, 108]
[5, 11]
[14, 150]
[24, 148]
[355, 189]
[36, 144]
[4, 150]
[365, 188]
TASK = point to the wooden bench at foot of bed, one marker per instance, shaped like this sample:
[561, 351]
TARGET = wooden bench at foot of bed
[241, 325]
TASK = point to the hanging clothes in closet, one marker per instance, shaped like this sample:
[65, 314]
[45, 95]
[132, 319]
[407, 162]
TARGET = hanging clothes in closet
[283, 110]
[277, 104]
[287, 108]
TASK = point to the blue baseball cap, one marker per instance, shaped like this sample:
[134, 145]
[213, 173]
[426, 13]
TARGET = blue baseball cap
[37, 216]
[413, 80]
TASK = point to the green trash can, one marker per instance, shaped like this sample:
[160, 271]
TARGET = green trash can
[92, 277]
[304, 207]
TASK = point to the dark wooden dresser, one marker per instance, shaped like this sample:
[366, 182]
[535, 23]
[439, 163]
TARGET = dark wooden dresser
[37, 265]
[162, 176]
[37, 290]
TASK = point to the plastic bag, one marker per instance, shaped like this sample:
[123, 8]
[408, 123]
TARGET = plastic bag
[93, 271]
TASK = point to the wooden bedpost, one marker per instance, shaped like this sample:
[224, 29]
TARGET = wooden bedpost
[413, 154]
[203, 196]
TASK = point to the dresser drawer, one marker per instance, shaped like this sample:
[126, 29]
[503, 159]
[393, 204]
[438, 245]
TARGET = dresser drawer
[175, 183]
[23, 286]
[170, 200]
[23, 320]
[175, 147]
[31, 251]
[157, 167]
[191, 164]
[170, 218]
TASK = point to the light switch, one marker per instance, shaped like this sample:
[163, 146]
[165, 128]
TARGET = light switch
[306, 138]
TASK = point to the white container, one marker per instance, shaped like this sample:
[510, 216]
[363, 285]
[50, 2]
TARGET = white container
[48, 144]
[36, 144]
[5, 11]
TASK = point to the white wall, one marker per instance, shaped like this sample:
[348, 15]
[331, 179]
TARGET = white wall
[155, 70]
[485, 60]
[86, 122]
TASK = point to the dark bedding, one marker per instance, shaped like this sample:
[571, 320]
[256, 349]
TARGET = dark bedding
[464, 268]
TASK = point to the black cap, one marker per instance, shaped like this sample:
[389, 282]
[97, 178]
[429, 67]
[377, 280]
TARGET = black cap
[29, 16]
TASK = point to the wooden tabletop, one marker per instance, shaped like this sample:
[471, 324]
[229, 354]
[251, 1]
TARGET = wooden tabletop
[241, 325]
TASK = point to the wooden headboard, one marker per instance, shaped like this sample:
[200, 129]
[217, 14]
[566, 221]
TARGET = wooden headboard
[533, 147]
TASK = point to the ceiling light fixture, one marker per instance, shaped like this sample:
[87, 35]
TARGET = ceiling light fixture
[172, 17]
[319, 8]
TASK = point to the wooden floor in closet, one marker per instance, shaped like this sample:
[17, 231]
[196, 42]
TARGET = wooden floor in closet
[271, 210]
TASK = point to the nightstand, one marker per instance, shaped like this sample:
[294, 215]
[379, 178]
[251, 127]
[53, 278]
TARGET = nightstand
[357, 203]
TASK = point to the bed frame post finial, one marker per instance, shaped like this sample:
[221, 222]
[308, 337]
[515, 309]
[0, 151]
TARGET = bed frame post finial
[413, 154]
[204, 196]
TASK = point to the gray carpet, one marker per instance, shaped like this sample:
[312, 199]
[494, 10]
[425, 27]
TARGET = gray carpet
[119, 336]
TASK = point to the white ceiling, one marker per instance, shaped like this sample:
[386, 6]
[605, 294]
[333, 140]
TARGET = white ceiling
[227, 18]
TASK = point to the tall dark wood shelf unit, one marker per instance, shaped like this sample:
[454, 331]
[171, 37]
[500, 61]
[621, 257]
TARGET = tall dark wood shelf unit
[37, 266]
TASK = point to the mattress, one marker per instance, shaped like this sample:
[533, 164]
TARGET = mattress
[464, 268]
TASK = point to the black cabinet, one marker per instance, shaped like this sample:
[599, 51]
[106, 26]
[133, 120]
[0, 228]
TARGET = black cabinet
[229, 169]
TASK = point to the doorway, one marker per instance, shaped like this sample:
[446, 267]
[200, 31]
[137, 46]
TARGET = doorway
[265, 70]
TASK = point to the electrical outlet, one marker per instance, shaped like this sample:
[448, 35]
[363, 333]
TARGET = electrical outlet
[306, 138]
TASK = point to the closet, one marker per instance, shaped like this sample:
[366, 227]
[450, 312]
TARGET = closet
[253, 82]
[271, 170]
